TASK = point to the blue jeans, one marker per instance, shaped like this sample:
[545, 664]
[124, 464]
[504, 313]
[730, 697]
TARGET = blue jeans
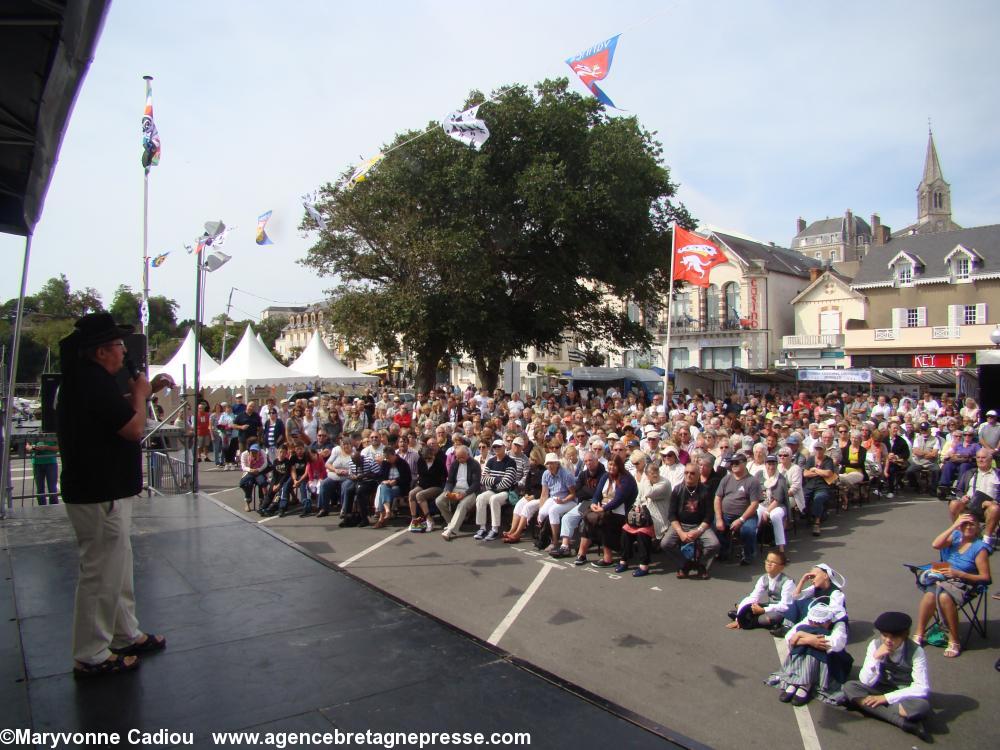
[329, 488]
[386, 495]
[46, 474]
[218, 454]
[816, 502]
[748, 534]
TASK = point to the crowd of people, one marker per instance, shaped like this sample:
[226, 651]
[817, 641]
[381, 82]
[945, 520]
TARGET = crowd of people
[696, 477]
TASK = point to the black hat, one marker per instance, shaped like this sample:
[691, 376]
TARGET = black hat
[738, 458]
[99, 328]
[893, 622]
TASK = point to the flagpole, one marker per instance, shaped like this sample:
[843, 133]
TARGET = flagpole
[670, 318]
[144, 311]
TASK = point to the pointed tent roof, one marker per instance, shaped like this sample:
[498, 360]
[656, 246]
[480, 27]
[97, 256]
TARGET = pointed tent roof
[320, 363]
[251, 364]
[181, 365]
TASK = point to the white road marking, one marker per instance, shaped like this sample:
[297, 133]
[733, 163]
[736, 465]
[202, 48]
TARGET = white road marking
[655, 588]
[810, 740]
[268, 518]
[220, 492]
[374, 547]
[521, 603]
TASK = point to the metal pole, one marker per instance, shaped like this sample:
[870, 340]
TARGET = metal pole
[197, 362]
[670, 304]
[145, 261]
[6, 487]
[225, 324]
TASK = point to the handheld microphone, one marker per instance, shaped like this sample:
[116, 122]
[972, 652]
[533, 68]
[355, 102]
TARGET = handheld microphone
[133, 371]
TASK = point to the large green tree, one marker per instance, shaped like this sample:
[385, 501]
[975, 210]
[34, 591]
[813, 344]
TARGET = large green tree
[559, 220]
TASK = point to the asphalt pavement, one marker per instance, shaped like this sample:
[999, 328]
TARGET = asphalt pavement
[658, 645]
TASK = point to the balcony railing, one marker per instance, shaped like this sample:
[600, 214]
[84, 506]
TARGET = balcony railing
[946, 332]
[810, 341]
[886, 334]
[693, 326]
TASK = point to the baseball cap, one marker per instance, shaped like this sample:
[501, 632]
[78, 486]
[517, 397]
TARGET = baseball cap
[551, 458]
[255, 447]
[501, 443]
[772, 459]
[519, 441]
[738, 458]
[991, 413]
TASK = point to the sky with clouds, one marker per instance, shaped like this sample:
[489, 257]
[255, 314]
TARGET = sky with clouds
[767, 110]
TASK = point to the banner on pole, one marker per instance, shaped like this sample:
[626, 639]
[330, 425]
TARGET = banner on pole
[309, 203]
[159, 259]
[150, 136]
[694, 257]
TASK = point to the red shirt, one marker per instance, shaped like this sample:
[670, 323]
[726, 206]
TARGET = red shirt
[203, 423]
[404, 418]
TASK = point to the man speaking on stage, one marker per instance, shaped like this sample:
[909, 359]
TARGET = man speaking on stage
[99, 430]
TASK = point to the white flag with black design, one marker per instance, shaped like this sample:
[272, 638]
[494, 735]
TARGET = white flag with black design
[467, 127]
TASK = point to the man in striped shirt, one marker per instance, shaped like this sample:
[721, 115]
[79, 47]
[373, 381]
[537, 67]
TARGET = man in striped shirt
[499, 475]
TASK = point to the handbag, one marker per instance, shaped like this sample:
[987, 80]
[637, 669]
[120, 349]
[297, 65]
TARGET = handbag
[638, 516]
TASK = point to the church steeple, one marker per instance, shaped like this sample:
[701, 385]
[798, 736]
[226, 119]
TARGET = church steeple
[933, 194]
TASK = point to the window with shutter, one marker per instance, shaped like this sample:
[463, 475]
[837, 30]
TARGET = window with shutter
[921, 316]
[898, 317]
[981, 314]
[955, 313]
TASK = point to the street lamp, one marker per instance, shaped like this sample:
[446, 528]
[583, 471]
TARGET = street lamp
[995, 336]
[206, 262]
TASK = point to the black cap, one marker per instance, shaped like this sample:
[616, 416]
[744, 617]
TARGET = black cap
[99, 328]
[893, 622]
[738, 458]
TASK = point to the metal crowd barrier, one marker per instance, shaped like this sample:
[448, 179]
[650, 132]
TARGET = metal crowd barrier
[166, 465]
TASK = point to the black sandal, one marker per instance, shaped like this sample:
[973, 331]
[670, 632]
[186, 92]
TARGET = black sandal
[114, 664]
[152, 643]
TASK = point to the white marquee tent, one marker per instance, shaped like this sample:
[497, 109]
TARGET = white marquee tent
[251, 364]
[181, 365]
[319, 363]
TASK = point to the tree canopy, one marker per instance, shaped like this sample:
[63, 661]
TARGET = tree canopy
[559, 220]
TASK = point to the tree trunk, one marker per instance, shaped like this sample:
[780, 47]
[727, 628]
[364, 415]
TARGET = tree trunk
[427, 367]
[488, 371]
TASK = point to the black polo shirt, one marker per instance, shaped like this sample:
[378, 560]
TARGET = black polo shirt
[98, 465]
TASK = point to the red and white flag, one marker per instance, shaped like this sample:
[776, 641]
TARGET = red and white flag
[694, 257]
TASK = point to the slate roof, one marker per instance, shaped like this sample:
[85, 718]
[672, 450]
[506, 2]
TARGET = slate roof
[835, 226]
[932, 249]
[776, 259]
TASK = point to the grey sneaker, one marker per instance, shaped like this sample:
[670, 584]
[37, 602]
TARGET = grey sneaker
[492, 536]
[480, 535]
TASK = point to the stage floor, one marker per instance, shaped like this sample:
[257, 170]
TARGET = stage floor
[264, 637]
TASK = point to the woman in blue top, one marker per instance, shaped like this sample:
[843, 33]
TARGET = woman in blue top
[968, 559]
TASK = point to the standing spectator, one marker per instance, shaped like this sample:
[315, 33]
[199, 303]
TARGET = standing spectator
[203, 431]
[45, 466]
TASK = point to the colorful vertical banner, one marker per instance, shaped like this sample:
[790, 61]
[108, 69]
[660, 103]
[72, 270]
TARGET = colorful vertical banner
[150, 135]
[593, 65]
[262, 238]
[159, 260]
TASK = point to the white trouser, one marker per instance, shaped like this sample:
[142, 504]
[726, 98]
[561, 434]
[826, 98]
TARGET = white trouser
[777, 521]
[104, 611]
[526, 508]
[552, 512]
[495, 501]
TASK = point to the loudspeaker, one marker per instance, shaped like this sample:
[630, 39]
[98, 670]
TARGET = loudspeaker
[50, 386]
[989, 388]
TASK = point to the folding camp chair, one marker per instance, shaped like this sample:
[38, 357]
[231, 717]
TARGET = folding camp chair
[973, 606]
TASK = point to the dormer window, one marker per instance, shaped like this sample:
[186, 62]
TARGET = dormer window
[963, 268]
[961, 262]
[905, 267]
[904, 274]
